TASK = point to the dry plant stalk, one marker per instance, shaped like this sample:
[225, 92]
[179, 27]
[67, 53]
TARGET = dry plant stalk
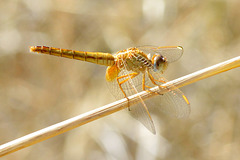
[95, 114]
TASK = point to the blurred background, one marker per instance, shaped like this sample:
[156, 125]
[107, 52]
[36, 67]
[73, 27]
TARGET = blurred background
[37, 91]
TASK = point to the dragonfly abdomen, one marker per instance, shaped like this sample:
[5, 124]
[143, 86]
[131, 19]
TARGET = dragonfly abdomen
[94, 57]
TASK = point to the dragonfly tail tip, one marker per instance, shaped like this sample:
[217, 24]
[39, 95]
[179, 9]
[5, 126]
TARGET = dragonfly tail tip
[32, 48]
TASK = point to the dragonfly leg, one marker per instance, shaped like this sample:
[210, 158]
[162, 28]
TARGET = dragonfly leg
[153, 81]
[145, 86]
[130, 76]
[161, 80]
[143, 82]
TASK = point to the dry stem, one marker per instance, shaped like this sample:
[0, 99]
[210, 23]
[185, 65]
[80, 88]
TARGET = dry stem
[82, 119]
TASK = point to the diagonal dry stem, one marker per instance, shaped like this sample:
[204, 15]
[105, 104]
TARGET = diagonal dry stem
[82, 119]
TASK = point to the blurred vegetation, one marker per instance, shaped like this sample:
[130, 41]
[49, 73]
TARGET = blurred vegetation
[39, 90]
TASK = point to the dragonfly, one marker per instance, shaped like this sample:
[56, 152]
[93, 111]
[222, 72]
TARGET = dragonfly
[134, 70]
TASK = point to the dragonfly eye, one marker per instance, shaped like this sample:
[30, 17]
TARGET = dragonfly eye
[160, 63]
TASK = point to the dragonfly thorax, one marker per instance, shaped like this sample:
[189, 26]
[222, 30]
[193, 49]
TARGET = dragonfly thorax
[137, 61]
[134, 60]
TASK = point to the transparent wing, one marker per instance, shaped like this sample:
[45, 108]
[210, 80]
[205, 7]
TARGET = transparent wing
[173, 103]
[137, 111]
[172, 53]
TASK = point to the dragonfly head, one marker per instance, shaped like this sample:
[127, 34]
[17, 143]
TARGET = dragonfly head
[159, 63]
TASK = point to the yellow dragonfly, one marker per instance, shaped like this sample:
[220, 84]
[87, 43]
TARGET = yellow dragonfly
[133, 70]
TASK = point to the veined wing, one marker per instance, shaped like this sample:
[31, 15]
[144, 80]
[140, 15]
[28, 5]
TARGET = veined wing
[173, 103]
[139, 110]
[172, 53]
